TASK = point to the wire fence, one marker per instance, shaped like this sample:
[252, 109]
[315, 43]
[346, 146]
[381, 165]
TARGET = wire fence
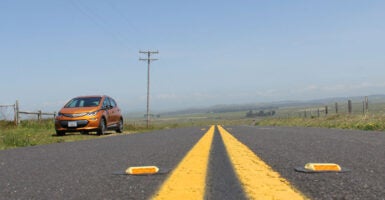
[7, 112]
[348, 107]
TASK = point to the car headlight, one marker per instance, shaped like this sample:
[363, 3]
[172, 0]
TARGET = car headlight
[92, 113]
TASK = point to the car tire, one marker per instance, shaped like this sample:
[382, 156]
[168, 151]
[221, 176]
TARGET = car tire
[119, 128]
[102, 127]
[60, 133]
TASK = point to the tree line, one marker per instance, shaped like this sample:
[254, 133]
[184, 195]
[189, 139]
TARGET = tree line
[260, 113]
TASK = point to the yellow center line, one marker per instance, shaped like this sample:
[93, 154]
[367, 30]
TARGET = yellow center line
[259, 181]
[188, 180]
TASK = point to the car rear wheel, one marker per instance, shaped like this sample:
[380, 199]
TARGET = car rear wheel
[102, 127]
[119, 129]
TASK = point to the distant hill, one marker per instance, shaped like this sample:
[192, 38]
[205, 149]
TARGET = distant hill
[274, 105]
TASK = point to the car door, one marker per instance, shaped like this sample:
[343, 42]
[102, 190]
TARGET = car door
[115, 112]
[108, 111]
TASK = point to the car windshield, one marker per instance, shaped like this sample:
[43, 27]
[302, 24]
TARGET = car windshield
[83, 102]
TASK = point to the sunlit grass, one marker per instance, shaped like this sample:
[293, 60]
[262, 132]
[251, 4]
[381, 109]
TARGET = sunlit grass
[358, 122]
[28, 133]
[32, 132]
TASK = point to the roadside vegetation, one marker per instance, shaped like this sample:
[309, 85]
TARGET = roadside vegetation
[33, 132]
[30, 133]
[372, 119]
[356, 122]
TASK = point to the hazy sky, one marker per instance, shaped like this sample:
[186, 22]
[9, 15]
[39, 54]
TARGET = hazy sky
[210, 52]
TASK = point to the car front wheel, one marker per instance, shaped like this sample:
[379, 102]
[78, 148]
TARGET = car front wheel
[102, 127]
[60, 133]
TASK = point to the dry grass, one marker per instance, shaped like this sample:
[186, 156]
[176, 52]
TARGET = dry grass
[359, 122]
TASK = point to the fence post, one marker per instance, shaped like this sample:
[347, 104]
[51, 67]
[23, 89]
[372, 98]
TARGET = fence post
[366, 104]
[39, 115]
[350, 106]
[16, 113]
[326, 110]
[336, 105]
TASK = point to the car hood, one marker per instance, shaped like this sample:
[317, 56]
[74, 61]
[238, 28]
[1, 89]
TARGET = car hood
[79, 110]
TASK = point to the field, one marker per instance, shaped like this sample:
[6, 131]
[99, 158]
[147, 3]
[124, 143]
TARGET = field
[32, 132]
[372, 119]
[366, 122]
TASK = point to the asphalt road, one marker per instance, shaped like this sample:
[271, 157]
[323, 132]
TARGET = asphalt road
[90, 169]
[362, 152]
[87, 169]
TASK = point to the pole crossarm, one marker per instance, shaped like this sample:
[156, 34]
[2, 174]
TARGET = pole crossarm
[155, 52]
[146, 59]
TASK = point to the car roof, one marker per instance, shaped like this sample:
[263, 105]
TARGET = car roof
[89, 96]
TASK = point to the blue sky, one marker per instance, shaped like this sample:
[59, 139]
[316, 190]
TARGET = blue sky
[210, 52]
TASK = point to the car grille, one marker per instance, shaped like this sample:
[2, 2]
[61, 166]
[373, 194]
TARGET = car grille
[80, 124]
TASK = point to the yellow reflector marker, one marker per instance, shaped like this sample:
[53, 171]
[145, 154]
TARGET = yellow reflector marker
[323, 167]
[142, 170]
[188, 179]
[258, 179]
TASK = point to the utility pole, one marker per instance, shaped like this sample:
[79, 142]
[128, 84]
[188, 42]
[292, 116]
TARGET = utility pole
[148, 59]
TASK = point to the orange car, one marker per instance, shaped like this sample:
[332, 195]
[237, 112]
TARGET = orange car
[89, 113]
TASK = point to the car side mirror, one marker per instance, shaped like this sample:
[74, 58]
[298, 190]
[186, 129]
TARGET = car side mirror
[107, 107]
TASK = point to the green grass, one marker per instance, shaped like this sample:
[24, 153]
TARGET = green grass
[31, 133]
[374, 122]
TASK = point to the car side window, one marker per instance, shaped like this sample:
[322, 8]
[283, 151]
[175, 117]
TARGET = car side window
[106, 103]
[113, 103]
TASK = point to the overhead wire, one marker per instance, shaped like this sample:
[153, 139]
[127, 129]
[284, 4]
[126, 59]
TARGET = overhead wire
[132, 27]
[101, 23]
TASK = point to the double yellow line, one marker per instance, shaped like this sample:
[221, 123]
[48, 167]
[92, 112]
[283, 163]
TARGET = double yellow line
[258, 180]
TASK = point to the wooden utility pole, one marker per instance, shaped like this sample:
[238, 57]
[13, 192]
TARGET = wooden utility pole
[148, 59]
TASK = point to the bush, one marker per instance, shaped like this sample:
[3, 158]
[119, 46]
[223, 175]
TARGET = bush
[368, 126]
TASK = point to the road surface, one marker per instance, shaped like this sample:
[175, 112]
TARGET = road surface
[230, 162]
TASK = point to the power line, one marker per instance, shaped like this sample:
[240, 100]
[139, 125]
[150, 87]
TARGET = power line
[102, 23]
[149, 60]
